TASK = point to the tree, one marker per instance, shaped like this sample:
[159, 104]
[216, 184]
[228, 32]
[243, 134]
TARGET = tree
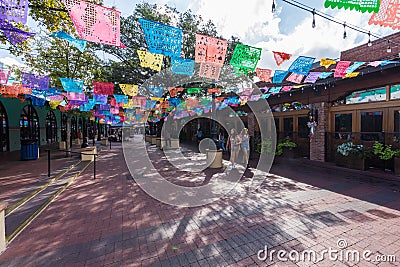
[50, 15]
[128, 70]
[58, 59]
[190, 25]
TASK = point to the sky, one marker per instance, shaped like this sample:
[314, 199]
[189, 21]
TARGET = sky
[288, 29]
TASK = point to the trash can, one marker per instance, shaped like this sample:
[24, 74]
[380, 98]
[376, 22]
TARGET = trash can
[214, 158]
[29, 149]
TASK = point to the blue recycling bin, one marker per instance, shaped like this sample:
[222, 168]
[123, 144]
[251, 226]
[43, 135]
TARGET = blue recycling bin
[29, 150]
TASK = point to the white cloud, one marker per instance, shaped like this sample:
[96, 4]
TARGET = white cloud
[237, 18]
[10, 61]
[255, 24]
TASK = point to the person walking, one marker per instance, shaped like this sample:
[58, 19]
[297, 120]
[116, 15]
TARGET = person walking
[245, 145]
[167, 137]
[221, 139]
[199, 135]
[234, 142]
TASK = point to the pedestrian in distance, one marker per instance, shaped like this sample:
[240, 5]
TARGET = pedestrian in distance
[221, 139]
[199, 135]
[234, 143]
[245, 145]
[167, 137]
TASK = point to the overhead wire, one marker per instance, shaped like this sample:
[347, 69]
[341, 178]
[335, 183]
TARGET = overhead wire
[335, 20]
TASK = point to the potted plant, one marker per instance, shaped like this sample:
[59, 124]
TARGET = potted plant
[386, 153]
[351, 156]
[286, 148]
[265, 147]
[266, 152]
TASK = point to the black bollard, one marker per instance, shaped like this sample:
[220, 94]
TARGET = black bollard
[48, 162]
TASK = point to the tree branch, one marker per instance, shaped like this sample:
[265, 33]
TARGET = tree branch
[48, 8]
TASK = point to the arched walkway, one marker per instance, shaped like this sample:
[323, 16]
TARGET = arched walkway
[51, 127]
[4, 144]
[29, 124]
[64, 119]
[74, 128]
[80, 128]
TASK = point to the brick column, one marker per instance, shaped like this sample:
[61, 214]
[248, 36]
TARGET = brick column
[317, 143]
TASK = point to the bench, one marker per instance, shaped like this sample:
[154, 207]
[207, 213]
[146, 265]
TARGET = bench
[62, 145]
[85, 156]
[154, 140]
[214, 158]
[3, 206]
[104, 142]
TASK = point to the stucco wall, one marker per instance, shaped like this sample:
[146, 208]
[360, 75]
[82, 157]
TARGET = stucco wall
[13, 108]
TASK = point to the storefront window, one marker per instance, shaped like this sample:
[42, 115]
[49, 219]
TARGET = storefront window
[364, 96]
[303, 130]
[74, 128]
[277, 124]
[288, 127]
[343, 126]
[395, 91]
[51, 127]
[29, 124]
[397, 126]
[371, 126]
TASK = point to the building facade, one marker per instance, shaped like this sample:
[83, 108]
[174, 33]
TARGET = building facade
[22, 122]
[363, 109]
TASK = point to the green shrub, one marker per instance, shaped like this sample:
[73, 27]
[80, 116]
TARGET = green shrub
[285, 143]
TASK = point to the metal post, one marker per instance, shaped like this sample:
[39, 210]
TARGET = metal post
[48, 162]
[94, 166]
[93, 140]
[110, 143]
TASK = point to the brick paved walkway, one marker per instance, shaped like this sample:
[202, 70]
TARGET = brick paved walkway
[110, 221]
[19, 178]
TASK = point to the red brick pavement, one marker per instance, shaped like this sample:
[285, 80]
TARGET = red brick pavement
[110, 221]
[19, 178]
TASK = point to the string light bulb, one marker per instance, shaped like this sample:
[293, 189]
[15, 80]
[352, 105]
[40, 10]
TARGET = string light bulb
[273, 6]
[313, 18]
[344, 31]
[389, 49]
[369, 39]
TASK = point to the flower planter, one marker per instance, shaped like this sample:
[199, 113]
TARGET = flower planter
[397, 166]
[351, 162]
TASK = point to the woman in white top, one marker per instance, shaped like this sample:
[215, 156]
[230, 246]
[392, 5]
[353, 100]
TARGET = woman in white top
[245, 144]
[234, 141]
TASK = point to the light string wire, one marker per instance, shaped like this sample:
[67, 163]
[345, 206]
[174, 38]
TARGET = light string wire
[334, 20]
